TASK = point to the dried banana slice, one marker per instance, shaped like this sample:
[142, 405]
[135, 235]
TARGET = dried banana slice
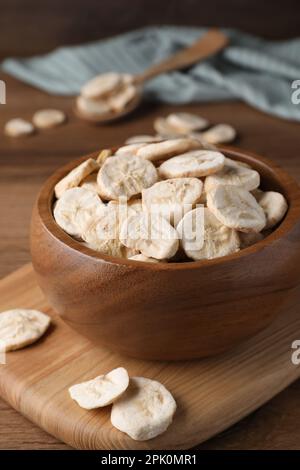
[248, 239]
[130, 149]
[145, 410]
[121, 99]
[150, 234]
[101, 391]
[220, 134]
[204, 237]
[103, 155]
[172, 198]
[90, 183]
[18, 128]
[236, 208]
[142, 139]
[76, 176]
[195, 163]
[90, 109]
[101, 85]
[186, 122]
[74, 210]
[167, 148]
[125, 176]
[235, 174]
[274, 205]
[21, 327]
[102, 234]
[166, 130]
[47, 118]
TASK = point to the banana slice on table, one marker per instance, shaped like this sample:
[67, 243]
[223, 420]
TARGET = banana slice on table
[194, 163]
[219, 134]
[150, 234]
[203, 236]
[235, 174]
[75, 209]
[101, 391]
[186, 122]
[145, 410]
[48, 118]
[236, 208]
[21, 327]
[125, 176]
[18, 128]
[165, 130]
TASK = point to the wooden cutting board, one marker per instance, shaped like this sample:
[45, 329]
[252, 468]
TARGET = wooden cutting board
[211, 394]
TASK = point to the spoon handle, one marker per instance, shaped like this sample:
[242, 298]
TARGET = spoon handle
[212, 41]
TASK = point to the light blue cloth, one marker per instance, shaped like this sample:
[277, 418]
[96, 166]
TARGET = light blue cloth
[256, 71]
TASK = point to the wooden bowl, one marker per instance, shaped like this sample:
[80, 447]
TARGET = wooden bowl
[169, 311]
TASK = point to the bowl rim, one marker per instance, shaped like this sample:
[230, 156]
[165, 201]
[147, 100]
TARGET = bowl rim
[289, 186]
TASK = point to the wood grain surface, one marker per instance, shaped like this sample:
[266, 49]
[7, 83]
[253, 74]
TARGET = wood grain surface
[26, 163]
[211, 394]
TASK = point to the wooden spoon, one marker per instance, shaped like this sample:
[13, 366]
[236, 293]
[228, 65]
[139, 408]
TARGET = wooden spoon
[212, 42]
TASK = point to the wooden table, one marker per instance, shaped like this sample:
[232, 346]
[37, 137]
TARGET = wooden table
[26, 163]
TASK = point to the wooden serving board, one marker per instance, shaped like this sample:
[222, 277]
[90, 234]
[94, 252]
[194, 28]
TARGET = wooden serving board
[211, 394]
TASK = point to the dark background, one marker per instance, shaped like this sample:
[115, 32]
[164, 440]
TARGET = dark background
[33, 26]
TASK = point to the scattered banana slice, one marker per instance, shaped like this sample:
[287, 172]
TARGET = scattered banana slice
[204, 237]
[165, 130]
[101, 85]
[125, 176]
[220, 134]
[248, 239]
[194, 163]
[186, 122]
[75, 209]
[90, 109]
[76, 176]
[172, 198]
[90, 183]
[235, 174]
[18, 127]
[144, 258]
[236, 208]
[21, 327]
[150, 234]
[167, 148]
[145, 410]
[47, 118]
[102, 234]
[120, 100]
[101, 391]
[274, 205]
[146, 139]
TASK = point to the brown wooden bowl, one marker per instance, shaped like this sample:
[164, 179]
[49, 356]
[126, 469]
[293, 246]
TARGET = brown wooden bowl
[176, 310]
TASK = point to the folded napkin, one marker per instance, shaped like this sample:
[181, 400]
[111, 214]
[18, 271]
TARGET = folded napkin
[251, 69]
